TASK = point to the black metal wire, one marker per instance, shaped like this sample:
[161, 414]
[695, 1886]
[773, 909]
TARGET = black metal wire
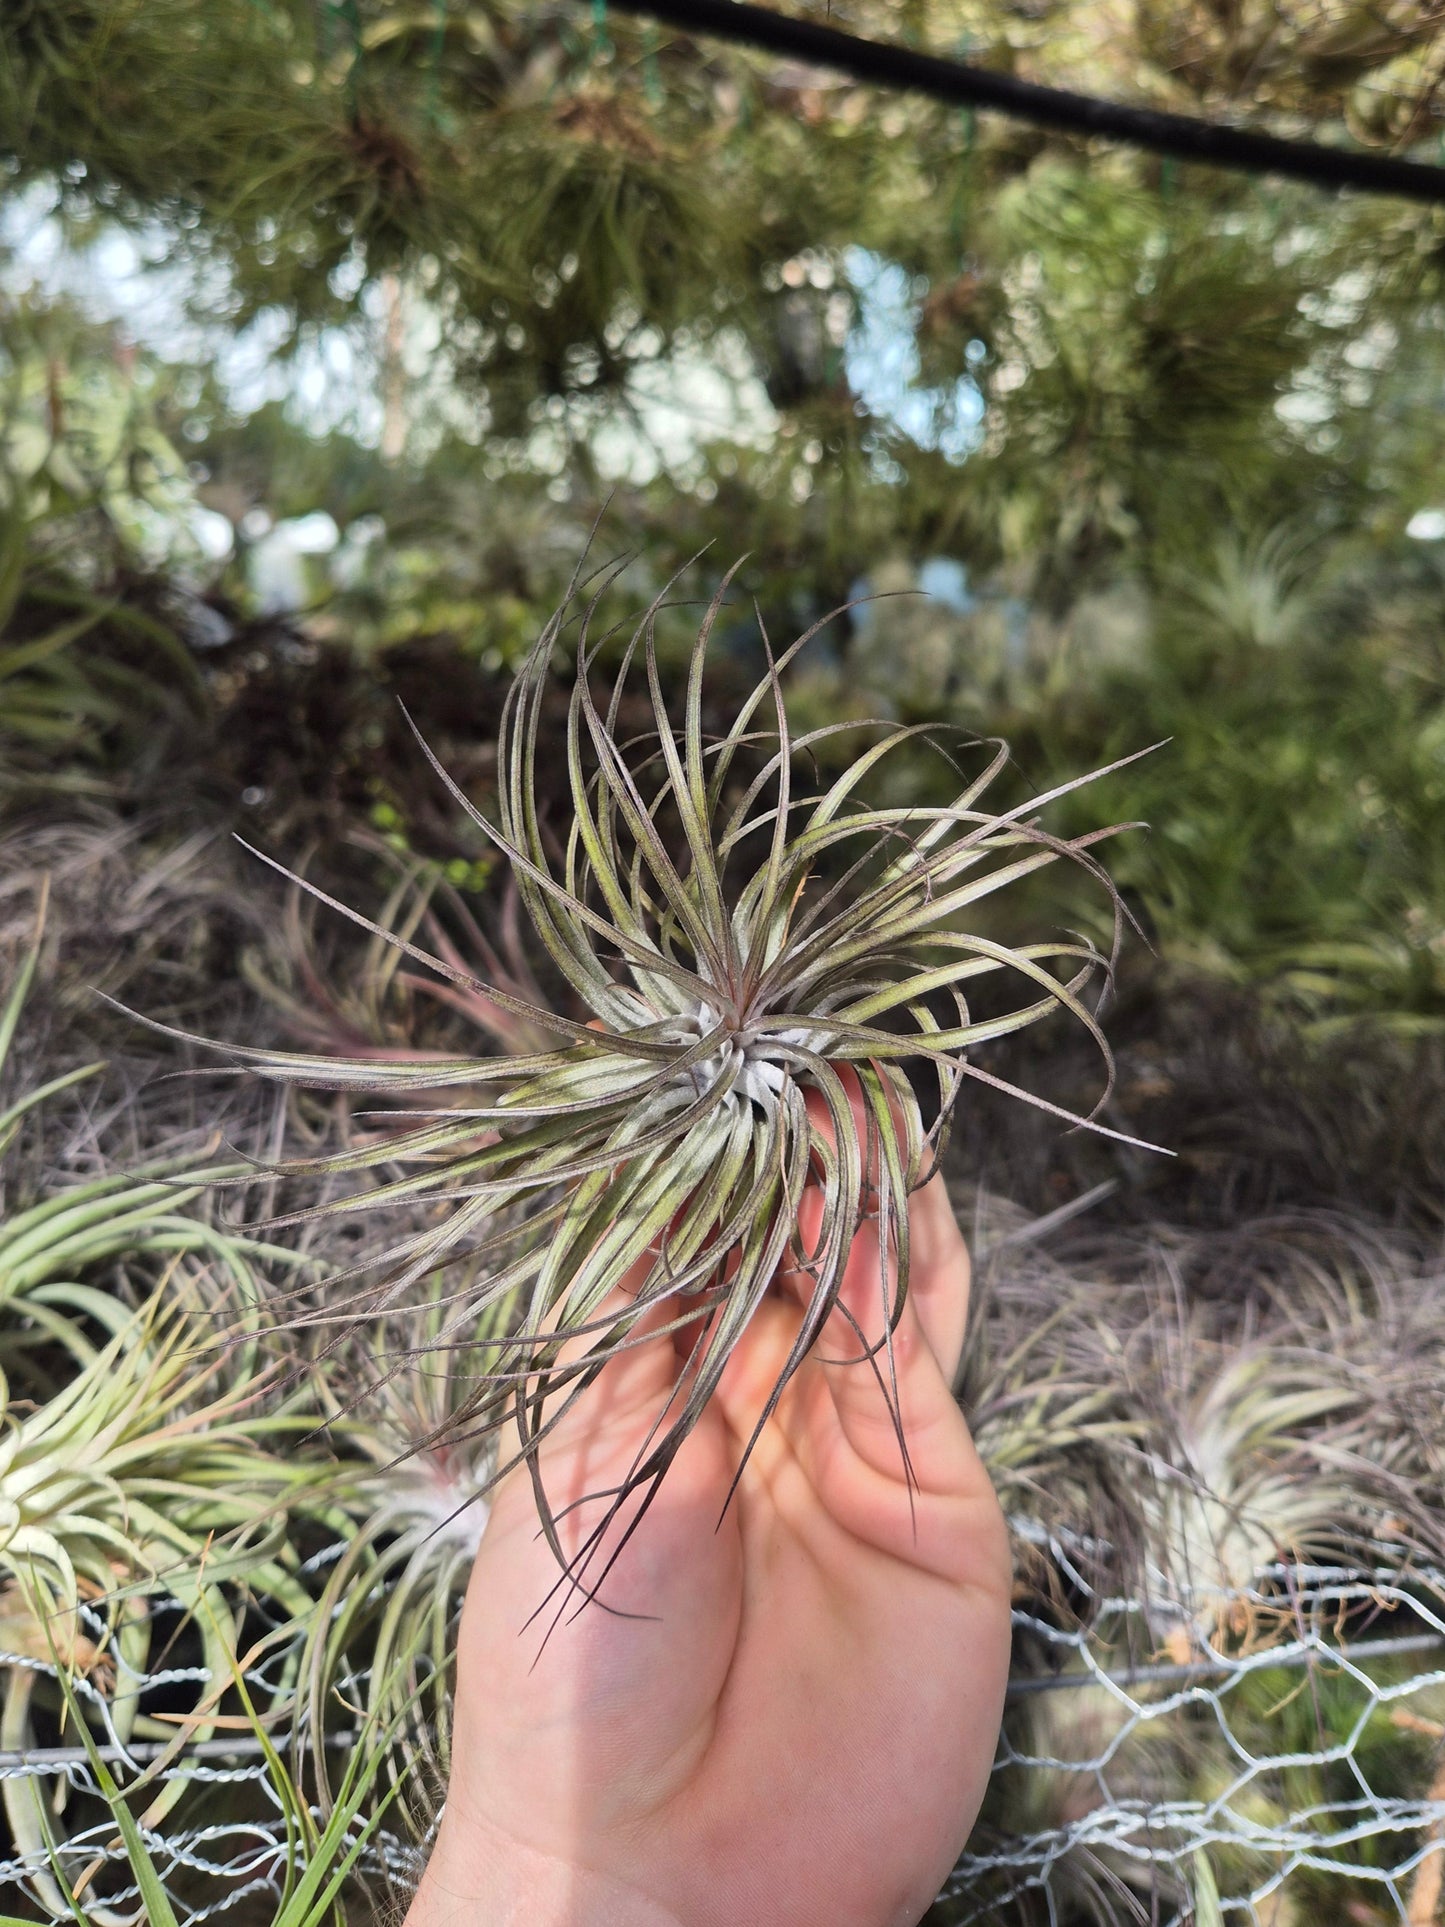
[883, 64]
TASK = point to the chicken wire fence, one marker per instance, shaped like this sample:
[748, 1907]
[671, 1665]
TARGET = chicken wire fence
[227, 1869]
[1277, 1748]
[229, 1847]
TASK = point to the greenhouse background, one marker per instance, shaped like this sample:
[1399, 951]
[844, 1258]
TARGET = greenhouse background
[335, 335]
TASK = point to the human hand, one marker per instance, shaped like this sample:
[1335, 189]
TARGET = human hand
[785, 1719]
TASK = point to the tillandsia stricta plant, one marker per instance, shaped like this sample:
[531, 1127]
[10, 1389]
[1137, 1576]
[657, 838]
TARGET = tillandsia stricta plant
[153, 1475]
[384, 1632]
[758, 953]
[365, 1017]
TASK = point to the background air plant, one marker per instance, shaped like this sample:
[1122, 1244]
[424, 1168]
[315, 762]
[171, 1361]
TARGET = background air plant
[411, 1496]
[1170, 1416]
[1240, 1475]
[761, 959]
[1276, 1424]
[145, 1481]
[370, 1009]
[141, 1501]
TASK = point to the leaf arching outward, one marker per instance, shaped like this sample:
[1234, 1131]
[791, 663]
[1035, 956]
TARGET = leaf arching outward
[743, 947]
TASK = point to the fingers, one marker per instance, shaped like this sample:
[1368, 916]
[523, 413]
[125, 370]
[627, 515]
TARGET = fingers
[640, 1377]
[939, 1270]
[940, 1274]
[888, 1389]
[884, 1377]
[631, 1389]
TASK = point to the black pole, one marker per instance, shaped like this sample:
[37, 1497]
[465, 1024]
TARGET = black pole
[880, 63]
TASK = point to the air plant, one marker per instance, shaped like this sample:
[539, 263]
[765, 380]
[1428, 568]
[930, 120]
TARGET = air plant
[383, 1635]
[1206, 1449]
[1344, 1288]
[1249, 1465]
[137, 1490]
[1184, 1414]
[368, 1014]
[1261, 594]
[761, 960]
[150, 1477]
[1290, 1422]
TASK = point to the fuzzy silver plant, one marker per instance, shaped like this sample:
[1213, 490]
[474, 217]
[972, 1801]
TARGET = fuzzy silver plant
[756, 954]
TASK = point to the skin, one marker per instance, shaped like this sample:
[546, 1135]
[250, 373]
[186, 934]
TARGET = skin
[787, 1717]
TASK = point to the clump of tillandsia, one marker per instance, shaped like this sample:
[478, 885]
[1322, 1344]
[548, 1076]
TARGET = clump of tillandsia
[759, 952]
[149, 1492]
[384, 1633]
[1262, 1457]
[367, 1014]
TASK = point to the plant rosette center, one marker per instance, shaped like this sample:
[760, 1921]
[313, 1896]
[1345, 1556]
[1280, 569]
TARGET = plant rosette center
[751, 1064]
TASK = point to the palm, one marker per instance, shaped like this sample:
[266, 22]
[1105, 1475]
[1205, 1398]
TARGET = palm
[786, 1716]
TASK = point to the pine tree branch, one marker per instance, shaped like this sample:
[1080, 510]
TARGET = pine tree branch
[879, 63]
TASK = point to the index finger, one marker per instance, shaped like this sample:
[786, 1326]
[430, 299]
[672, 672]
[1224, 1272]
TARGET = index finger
[939, 1270]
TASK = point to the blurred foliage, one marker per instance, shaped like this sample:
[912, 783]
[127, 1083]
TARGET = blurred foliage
[1298, 805]
[1151, 437]
[93, 497]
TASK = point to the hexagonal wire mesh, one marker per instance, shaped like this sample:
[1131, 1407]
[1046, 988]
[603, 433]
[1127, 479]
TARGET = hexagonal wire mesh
[1293, 1762]
[230, 1847]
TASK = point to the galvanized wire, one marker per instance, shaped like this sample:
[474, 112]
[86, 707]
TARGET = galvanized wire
[1130, 1769]
[1148, 1768]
